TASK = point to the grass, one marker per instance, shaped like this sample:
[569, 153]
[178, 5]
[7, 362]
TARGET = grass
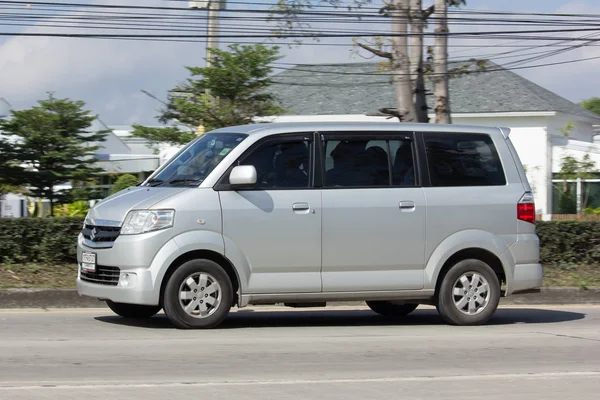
[63, 276]
[583, 276]
[38, 276]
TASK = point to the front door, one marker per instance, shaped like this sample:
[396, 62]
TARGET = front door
[373, 214]
[275, 227]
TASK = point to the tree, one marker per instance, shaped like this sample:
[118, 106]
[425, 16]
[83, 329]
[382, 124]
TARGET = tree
[572, 169]
[405, 60]
[123, 182]
[50, 144]
[591, 104]
[229, 92]
[400, 61]
[440, 63]
[6, 169]
[7, 188]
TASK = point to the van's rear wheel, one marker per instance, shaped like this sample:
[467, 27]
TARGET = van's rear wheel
[133, 310]
[391, 308]
[469, 293]
[199, 294]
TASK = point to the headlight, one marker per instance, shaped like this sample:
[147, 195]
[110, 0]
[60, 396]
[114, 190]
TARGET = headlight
[86, 220]
[147, 221]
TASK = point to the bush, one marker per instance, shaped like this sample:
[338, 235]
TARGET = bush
[75, 209]
[569, 242]
[123, 182]
[54, 240]
[48, 240]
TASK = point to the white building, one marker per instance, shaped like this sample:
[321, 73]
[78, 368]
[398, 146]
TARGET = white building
[122, 153]
[536, 116]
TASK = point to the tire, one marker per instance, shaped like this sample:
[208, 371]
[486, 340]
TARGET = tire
[476, 308]
[208, 306]
[136, 311]
[391, 309]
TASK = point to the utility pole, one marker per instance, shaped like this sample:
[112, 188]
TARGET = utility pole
[213, 7]
[213, 29]
[212, 42]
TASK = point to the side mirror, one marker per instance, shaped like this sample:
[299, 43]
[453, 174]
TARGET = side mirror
[243, 175]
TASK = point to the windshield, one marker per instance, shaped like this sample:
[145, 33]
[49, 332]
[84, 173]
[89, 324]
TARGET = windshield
[196, 161]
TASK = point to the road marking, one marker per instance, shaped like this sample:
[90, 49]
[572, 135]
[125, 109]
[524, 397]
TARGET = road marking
[113, 384]
[289, 309]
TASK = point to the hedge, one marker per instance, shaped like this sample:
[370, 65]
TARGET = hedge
[569, 242]
[46, 240]
[53, 240]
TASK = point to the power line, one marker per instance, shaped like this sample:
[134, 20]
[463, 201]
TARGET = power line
[118, 16]
[382, 74]
[473, 35]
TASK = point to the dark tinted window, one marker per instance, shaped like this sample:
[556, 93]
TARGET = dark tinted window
[281, 164]
[402, 161]
[463, 160]
[369, 162]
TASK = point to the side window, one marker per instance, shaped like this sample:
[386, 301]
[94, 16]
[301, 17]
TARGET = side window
[463, 160]
[281, 164]
[368, 162]
[403, 163]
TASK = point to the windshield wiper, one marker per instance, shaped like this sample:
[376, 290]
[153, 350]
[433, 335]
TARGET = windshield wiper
[155, 182]
[175, 181]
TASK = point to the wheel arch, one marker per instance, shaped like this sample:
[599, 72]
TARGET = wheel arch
[472, 253]
[220, 259]
[476, 244]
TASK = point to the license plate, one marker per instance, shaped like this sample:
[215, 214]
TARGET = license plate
[88, 262]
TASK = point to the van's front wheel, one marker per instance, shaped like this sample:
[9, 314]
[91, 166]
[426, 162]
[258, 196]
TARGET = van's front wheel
[199, 294]
[137, 311]
[469, 293]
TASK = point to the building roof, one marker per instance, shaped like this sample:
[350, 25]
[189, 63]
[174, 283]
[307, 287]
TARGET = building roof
[357, 88]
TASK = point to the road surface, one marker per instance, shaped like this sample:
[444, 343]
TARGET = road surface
[523, 353]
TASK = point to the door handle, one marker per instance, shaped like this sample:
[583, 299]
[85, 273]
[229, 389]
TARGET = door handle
[300, 207]
[407, 205]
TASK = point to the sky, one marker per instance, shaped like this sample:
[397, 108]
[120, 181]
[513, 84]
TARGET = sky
[109, 76]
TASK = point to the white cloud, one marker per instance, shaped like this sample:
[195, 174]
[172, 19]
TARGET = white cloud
[108, 74]
[576, 81]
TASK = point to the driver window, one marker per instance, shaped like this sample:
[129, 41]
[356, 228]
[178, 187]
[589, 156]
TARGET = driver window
[281, 164]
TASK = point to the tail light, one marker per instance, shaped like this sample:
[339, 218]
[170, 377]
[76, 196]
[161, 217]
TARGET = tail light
[526, 208]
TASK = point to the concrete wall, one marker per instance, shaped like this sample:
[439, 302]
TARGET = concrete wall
[576, 149]
[583, 130]
[112, 145]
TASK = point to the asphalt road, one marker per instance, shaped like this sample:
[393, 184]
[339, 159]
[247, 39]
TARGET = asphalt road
[524, 353]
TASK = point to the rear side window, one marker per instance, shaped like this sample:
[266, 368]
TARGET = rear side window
[463, 160]
[369, 162]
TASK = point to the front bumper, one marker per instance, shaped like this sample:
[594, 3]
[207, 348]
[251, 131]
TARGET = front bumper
[134, 256]
[135, 287]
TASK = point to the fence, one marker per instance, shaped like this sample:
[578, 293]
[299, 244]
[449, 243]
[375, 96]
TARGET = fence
[568, 217]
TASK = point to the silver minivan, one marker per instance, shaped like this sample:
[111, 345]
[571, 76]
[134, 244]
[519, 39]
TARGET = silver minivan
[395, 215]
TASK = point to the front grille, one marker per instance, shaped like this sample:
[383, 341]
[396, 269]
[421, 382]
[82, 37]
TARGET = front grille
[101, 234]
[103, 276]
